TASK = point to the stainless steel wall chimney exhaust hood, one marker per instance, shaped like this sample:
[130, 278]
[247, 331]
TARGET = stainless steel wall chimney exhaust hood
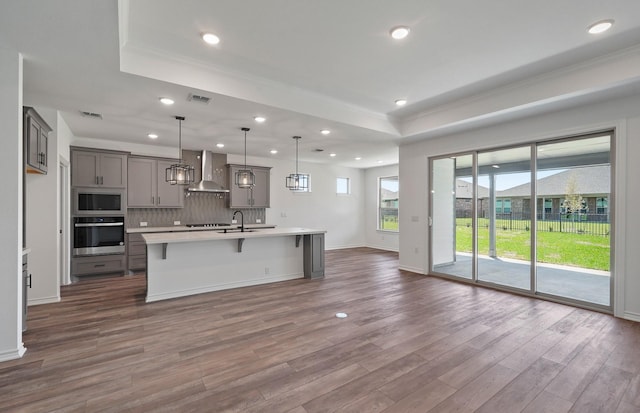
[208, 183]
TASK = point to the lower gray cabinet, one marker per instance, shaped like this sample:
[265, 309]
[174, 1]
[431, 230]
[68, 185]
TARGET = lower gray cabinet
[136, 252]
[99, 264]
[313, 256]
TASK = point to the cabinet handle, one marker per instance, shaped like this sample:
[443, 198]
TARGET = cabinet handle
[153, 200]
[29, 284]
[97, 180]
[102, 180]
[158, 200]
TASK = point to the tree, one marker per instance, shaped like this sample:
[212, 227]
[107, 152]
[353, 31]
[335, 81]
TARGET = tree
[573, 201]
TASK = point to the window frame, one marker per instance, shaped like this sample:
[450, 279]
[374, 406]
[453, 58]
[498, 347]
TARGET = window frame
[380, 208]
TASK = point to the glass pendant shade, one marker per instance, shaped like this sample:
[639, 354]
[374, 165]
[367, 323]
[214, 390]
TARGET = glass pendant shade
[180, 173]
[296, 181]
[245, 178]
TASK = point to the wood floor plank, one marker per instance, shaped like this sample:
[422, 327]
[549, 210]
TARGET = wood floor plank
[410, 343]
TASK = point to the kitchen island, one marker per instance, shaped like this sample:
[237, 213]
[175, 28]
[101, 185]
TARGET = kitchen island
[187, 263]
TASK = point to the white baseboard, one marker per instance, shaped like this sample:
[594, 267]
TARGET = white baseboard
[412, 269]
[628, 315]
[343, 247]
[43, 300]
[382, 247]
[13, 353]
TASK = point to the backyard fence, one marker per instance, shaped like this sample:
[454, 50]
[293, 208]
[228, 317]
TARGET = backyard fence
[581, 223]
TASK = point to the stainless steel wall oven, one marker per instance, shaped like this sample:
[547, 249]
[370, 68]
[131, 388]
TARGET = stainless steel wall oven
[98, 235]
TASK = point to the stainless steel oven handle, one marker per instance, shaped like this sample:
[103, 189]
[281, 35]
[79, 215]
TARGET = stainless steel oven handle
[102, 224]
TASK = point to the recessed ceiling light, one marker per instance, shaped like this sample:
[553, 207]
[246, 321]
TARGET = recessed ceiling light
[401, 102]
[220, 145]
[601, 26]
[152, 136]
[357, 158]
[166, 101]
[325, 131]
[210, 38]
[332, 155]
[379, 161]
[399, 32]
[273, 151]
[259, 119]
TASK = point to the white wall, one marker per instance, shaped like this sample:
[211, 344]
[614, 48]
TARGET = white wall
[384, 240]
[64, 137]
[42, 214]
[11, 169]
[342, 216]
[622, 114]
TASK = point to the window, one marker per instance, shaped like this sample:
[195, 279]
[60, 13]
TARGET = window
[503, 206]
[601, 206]
[388, 203]
[343, 186]
[548, 206]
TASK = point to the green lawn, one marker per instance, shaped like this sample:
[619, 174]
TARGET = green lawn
[576, 249]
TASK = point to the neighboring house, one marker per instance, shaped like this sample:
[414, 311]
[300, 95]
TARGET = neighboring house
[388, 199]
[592, 184]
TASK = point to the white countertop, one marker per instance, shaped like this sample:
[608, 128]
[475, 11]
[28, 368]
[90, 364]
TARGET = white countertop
[214, 235]
[184, 228]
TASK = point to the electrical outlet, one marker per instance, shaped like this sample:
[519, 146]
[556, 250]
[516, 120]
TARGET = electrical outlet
[266, 270]
[283, 214]
[234, 221]
[258, 221]
[143, 223]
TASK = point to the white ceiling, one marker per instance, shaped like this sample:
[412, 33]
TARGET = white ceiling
[309, 65]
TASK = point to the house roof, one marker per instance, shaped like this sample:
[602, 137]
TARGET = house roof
[464, 189]
[592, 180]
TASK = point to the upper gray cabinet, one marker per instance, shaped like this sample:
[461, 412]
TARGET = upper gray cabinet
[98, 169]
[36, 138]
[147, 187]
[256, 197]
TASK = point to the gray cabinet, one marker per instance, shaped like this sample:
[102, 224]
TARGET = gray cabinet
[100, 264]
[98, 169]
[314, 256]
[26, 283]
[147, 187]
[36, 139]
[136, 252]
[256, 197]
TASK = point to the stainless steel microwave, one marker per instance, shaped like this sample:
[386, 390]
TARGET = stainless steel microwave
[99, 201]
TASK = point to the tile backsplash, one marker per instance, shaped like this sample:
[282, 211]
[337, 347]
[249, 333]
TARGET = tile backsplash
[199, 208]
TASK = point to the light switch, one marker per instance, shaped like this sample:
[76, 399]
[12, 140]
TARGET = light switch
[258, 221]
[143, 223]
[176, 222]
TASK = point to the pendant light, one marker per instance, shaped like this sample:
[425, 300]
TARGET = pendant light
[245, 178]
[180, 173]
[296, 181]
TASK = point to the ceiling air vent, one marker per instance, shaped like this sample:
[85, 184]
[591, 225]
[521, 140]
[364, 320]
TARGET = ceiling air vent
[91, 115]
[198, 98]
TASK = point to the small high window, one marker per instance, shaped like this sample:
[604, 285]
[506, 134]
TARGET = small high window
[343, 186]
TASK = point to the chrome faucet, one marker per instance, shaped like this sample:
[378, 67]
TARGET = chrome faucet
[241, 221]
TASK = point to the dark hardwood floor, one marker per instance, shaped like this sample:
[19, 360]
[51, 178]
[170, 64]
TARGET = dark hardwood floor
[410, 343]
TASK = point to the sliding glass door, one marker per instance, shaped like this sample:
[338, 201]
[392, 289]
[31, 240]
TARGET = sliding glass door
[452, 216]
[504, 236]
[495, 213]
[574, 233]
